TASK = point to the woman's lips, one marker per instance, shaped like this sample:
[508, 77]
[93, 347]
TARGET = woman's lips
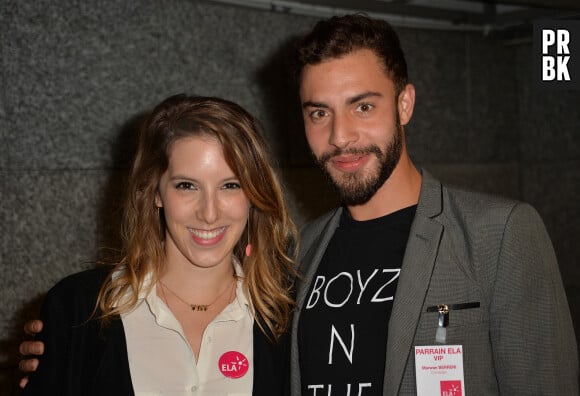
[207, 237]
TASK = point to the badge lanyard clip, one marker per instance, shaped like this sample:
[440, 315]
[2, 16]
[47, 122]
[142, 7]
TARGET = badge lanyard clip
[443, 322]
[443, 317]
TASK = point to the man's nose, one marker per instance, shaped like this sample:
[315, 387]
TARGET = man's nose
[343, 131]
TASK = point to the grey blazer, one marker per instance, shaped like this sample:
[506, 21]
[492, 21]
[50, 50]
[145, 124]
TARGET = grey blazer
[470, 247]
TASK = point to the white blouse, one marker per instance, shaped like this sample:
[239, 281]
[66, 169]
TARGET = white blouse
[161, 361]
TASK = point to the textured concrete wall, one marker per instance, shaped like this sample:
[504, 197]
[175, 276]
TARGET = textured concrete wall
[76, 75]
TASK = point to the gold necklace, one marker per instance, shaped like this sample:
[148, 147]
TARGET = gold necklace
[195, 307]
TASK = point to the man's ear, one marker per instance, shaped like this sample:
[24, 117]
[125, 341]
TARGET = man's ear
[406, 103]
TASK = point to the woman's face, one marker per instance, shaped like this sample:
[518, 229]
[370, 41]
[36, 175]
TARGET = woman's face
[205, 207]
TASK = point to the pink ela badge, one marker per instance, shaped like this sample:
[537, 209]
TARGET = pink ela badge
[233, 364]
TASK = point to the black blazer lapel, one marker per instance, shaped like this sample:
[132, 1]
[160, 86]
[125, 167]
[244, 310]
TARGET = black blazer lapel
[271, 364]
[112, 375]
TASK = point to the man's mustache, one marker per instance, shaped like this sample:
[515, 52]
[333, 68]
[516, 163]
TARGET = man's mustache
[372, 149]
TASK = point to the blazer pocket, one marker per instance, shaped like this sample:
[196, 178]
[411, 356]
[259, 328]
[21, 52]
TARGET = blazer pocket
[455, 314]
[452, 323]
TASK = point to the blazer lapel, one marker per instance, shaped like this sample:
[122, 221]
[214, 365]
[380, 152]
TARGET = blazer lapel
[309, 260]
[112, 375]
[418, 264]
[312, 257]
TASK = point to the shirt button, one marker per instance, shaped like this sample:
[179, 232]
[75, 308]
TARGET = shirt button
[194, 388]
[209, 340]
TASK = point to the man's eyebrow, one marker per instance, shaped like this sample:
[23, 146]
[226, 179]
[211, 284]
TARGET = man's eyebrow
[362, 96]
[309, 103]
[349, 101]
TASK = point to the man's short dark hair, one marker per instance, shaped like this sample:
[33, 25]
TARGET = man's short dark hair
[338, 36]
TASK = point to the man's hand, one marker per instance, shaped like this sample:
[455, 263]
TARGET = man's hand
[28, 348]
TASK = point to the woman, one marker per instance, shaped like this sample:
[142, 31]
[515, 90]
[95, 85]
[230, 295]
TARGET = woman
[200, 302]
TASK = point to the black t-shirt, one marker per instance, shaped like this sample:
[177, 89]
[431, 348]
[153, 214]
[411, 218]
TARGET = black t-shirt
[343, 323]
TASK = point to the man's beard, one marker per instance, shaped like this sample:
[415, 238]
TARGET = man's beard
[354, 188]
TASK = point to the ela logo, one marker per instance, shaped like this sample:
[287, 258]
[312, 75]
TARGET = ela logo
[557, 54]
[233, 364]
[451, 388]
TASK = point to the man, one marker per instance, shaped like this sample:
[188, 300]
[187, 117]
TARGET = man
[409, 273]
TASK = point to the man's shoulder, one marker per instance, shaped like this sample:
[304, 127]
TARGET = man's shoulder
[481, 207]
[467, 197]
[454, 205]
[312, 232]
[314, 227]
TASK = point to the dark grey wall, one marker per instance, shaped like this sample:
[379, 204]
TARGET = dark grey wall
[75, 77]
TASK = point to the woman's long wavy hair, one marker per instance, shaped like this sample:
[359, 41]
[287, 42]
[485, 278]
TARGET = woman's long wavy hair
[270, 267]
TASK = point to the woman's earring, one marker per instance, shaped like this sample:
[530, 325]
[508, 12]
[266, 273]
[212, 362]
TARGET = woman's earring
[160, 219]
[249, 245]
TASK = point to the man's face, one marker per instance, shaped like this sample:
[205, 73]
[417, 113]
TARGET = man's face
[351, 118]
